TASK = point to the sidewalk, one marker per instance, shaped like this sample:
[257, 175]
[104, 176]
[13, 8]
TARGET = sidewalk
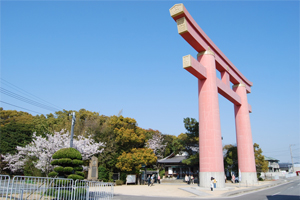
[184, 190]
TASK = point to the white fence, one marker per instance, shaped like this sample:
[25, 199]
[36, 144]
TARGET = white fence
[43, 188]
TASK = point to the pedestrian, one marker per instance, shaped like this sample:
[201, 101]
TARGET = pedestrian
[233, 178]
[186, 178]
[192, 179]
[215, 183]
[212, 185]
[152, 179]
[158, 179]
[149, 180]
[189, 181]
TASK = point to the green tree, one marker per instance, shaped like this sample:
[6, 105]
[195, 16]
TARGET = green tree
[103, 174]
[168, 139]
[192, 127]
[133, 160]
[121, 135]
[30, 169]
[14, 134]
[260, 162]
[230, 158]
[191, 141]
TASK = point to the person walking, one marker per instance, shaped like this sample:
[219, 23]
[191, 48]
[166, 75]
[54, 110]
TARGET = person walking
[149, 180]
[215, 183]
[186, 178]
[212, 184]
[152, 179]
[192, 179]
[233, 178]
[158, 179]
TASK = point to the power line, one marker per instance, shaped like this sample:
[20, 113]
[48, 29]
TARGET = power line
[26, 93]
[26, 100]
[275, 151]
[20, 107]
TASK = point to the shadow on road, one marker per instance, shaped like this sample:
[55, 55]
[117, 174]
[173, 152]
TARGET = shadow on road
[285, 197]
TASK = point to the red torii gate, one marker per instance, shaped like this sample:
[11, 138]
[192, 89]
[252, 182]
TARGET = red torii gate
[209, 59]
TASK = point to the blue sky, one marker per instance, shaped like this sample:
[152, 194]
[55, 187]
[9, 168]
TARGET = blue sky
[127, 55]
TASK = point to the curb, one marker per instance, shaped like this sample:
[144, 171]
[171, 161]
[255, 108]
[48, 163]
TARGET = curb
[256, 188]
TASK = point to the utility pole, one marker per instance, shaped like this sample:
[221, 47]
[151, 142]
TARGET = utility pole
[292, 156]
[72, 129]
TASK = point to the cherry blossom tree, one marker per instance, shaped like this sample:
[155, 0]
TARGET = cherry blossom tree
[44, 147]
[156, 144]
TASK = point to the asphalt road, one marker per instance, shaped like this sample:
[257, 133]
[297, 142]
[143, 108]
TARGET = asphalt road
[288, 191]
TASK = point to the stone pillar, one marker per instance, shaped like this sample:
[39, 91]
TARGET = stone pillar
[210, 142]
[93, 169]
[246, 159]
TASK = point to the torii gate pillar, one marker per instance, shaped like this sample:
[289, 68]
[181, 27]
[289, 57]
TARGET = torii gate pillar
[210, 142]
[246, 159]
[209, 60]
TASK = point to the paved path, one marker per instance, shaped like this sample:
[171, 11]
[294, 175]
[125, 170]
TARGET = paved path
[193, 191]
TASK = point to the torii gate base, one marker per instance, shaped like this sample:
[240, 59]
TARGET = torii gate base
[209, 60]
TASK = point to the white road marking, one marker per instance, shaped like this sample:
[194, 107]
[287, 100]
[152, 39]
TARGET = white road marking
[276, 193]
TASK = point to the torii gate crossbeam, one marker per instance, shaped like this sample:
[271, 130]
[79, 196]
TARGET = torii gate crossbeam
[210, 59]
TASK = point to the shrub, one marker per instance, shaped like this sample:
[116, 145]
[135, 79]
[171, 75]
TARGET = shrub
[64, 161]
[78, 168]
[30, 169]
[69, 161]
[67, 153]
[119, 182]
[68, 170]
[162, 173]
[52, 174]
[79, 173]
[59, 169]
[54, 162]
[75, 177]
[103, 173]
[77, 162]
[62, 182]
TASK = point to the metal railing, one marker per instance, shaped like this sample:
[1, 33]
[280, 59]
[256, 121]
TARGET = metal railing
[4, 186]
[44, 188]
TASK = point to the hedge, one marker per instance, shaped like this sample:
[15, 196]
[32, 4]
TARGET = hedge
[68, 170]
[75, 177]
[119, 182]
[54, 162]
[59, 169]
[77, 168]
[52, 174]
[77, 162]
[64, 161]
[79, 173]
[67, 153]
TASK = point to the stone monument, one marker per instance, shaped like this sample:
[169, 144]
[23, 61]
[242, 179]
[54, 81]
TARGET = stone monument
[93, 169]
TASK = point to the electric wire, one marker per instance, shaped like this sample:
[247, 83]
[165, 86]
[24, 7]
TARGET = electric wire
[20, 107]
[26, 100]
[26, 93]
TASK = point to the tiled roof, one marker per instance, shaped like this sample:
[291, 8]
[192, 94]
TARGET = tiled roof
[175, 159]
[270, 158]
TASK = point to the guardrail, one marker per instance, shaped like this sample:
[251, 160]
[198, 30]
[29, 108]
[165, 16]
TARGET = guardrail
[4, 186]
[44, 188]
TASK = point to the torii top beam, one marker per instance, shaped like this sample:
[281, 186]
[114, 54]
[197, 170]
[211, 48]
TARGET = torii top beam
[196, 37]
